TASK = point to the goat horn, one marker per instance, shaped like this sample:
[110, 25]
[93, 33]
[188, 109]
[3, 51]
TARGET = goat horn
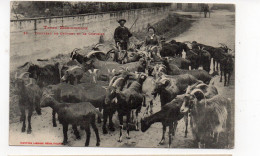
[117, 81]
[197, 90]
[223, 44]
[98, 45]
[200, 85]
[112, 80]
[94, 52]
[30, 82]
[21, 76]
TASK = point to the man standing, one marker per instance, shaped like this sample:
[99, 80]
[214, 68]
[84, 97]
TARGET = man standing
[122, 35]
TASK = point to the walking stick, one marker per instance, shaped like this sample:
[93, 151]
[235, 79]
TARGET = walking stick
[133, 23]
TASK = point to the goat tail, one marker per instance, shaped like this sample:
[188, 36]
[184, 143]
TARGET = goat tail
[144, 101]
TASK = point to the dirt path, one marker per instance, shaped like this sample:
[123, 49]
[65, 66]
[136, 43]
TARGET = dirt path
[217, 29]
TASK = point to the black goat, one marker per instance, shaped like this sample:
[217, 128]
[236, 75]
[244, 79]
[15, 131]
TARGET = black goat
[29, 98]
[77, 114]
[127, 100]
[85, 92]
[226, 68]
[47, 75]
[171, 86]
[169, 114]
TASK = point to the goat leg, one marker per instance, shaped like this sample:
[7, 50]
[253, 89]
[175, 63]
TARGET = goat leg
[105, 116]
[93, 124]
[136, 120]
[225, 78]
[174, 128]
[186, 124]
[88, 133]
[111, 124]
[65, 135]
[127, 125]
[171, 130]
[229, 75]
[54, 118]
[163, 135]
[76, 132]
[121, 127]
[23, 117]
[221, 74]
[29, 128]
[151, 107]
[99, 119]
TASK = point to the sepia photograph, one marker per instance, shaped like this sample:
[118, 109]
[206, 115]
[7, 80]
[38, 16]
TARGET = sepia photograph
[122, 74]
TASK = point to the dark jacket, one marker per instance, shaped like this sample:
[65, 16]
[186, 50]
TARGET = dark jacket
[122, 33]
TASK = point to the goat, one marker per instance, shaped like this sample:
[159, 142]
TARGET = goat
[77, 114]
[226, 68]
[171, 86]
[127, 100]
[169, 114]
[207, 116]
[73, 75]
[217, 53]
[85, 92]
[96, 52]
[118, 82]
[29, 97]
[174, 70]
[181, 47]
[49, 74]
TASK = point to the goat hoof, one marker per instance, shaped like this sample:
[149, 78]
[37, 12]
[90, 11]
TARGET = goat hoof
[98, 144]
[161, 142]
[86, 145]
[55, 125]
[120, 139]
[29, 131]
[23, 129]
[105, 131]
[78, 137]
[128, 137]
[64, 142]
[111, 128]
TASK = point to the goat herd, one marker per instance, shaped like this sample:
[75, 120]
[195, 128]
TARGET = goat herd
[125, 82]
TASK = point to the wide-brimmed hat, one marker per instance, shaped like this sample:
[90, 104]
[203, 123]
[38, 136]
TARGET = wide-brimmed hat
[121, 20]
[151, 27]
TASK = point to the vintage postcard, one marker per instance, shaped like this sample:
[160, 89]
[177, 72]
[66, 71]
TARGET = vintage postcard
[117, 74]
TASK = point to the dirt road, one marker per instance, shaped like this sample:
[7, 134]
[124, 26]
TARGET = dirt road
[217, 29]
